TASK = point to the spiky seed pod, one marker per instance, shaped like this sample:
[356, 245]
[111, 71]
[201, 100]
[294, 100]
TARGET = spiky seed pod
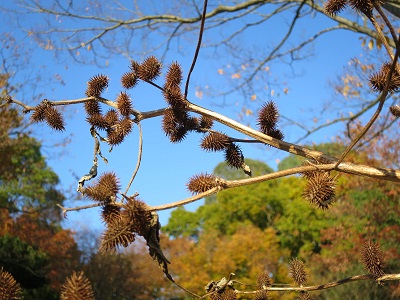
[39, 113]
[395, 110]
[77, 286]
[234, 157]
[206, 122]
[261, 295]
[173, 127]
[216, 296]
[135, 66]
[263, 280]
[98, 121]
[129, 80]
[298, 271]
[118, 233]
[9, 288]
[192, 123]
[139, 216]
[174, 75]
[54, 118]
[308, 174]
[150, 69]
[372, 258]
[119, 131]
[111, 117]
[364, 6]
[124, 104]
[178, 135]
[276, 133]
[267, 117]
[174, 97]
[305, 296]
[333, 7]
[320, 190]
[92, 107]
[201, 183]
[105, 189]
[169, 122]
[378, 80]
[215, 141]
[96, 85]
[110, 212]
[228, 294]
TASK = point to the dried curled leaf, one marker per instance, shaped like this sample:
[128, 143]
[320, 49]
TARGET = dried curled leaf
[320, 189]
[105, 189]
[215, 141]
[372, 258]
[202, 183]
[124, 104]
[150, 69]
[96, 85]
[333, 7]
[298, 271]
[77, 286]
[9, 288]
[146, 224]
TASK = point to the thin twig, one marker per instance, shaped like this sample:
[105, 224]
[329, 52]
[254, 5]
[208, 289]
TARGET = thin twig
[67, 209]
[203, 19]
[140, 152]
[329, 285]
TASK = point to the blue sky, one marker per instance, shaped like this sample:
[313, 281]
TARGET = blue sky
[166, 167]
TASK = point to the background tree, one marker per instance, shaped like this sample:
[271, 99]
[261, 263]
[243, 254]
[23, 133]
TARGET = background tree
[34, 248]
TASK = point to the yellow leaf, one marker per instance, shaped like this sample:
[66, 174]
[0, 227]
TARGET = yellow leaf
[220, 71]
[371, 44]
[253, 97]
[236, 76]
[89, 47]
[286, 90]
[198, 93]
[249, 112]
